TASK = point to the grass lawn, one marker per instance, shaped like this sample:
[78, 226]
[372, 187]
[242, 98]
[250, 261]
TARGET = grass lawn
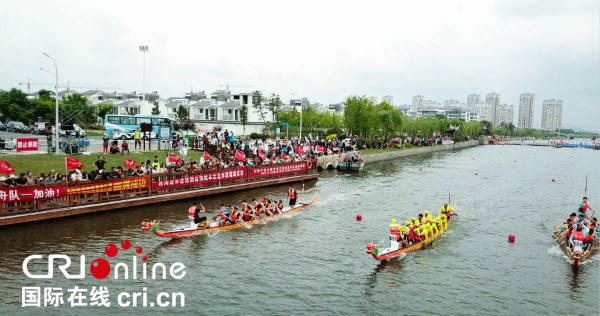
[45, 162]
[94, 132]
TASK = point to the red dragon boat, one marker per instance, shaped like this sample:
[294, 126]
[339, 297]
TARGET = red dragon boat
[153, 226]
[393, 250]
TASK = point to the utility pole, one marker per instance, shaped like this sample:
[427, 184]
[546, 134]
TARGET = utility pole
[56, 97]
[144, 49]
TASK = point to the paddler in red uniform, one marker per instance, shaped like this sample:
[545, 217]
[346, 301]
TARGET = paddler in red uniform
[259, 209]
[191, 214]
[247, 212]
[235, 216]
[292, 196]
[588, 240]
[577, 235]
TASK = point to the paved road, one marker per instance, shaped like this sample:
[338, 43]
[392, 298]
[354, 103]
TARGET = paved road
[95, 143]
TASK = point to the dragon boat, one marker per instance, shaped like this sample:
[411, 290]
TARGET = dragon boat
[212, 227]
[576, 256]
[394, 249]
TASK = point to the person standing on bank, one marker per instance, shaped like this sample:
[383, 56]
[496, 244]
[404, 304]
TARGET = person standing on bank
[137, 139]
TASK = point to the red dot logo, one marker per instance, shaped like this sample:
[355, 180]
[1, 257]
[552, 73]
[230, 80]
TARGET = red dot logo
[139, 250]
[100, 268]
[111, 250]
[144, 258]
[125, 244]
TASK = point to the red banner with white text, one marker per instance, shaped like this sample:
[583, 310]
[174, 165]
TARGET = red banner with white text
[26, 194]
[202, 178]
[278, 169]
[27, 144]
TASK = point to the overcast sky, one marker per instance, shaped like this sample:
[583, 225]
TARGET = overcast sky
[323, 50]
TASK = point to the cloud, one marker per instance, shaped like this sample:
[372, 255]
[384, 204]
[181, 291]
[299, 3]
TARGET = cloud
[323, 50]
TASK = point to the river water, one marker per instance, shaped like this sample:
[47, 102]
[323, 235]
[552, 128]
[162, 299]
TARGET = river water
[314, 262]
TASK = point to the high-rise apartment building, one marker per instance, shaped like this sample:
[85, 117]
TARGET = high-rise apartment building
[473, 100]
[388, 98]
[374, 100]
[552, 115]
[505, 114]
[417, 101]
[492, 100]
[526, 106]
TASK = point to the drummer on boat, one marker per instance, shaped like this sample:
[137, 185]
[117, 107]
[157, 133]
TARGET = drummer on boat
[292, 195]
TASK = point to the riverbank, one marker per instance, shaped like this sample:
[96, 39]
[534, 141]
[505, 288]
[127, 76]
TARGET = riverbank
[389, 155]
[331, 162]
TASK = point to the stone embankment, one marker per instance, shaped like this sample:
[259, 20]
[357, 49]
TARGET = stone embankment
[331, 162]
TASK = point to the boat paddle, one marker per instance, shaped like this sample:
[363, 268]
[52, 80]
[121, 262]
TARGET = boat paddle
[556, 234]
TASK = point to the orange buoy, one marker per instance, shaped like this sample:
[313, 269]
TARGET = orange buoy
[359, 217]
[553, 180]
[420, 169]
[511, 238]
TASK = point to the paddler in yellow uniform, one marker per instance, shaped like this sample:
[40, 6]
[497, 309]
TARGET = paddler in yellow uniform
[395, 229]
[428, 216]
[444, 221]
[415, 222]
[440, 226]
[422, 219]
[446, 210]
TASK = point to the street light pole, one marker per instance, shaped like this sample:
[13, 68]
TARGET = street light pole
[301, 109]
[144, 49]
[56, 97]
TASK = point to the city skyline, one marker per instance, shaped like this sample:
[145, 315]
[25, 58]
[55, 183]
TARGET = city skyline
[548, 48]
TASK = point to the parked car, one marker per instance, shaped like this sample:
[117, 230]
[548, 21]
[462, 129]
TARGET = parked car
[130, 135]
[15, 127]
[77, 131]
[2, 127]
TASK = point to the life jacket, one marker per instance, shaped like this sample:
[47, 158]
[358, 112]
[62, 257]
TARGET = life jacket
[588, 238]
[224, 214]
[192, 211]
[577, 235]
[258, 209]
[394, 231]
[292, 193]
[280, 206]
[584, 206]
[247, 214]
[235, 215]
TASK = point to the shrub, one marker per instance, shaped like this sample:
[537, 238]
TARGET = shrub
[408, 146]
[255, 135]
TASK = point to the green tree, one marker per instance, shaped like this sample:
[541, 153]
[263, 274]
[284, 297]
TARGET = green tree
[274, 104]
[182, 114]
[258, 103]
[13, 105]
[104, 109]
[244, 118]
[359, 115]
[74, 108]
[155, 110]
[389, 119]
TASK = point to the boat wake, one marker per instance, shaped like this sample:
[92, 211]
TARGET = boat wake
[556, 251]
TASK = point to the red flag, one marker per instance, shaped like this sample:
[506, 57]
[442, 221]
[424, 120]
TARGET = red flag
[73, 163]
[206, 156]
[299, 150]
[283, 155]
[239, 155]
[261, 155]
[174, 158]
[6, 168]
[129, 163]
[320, 148]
